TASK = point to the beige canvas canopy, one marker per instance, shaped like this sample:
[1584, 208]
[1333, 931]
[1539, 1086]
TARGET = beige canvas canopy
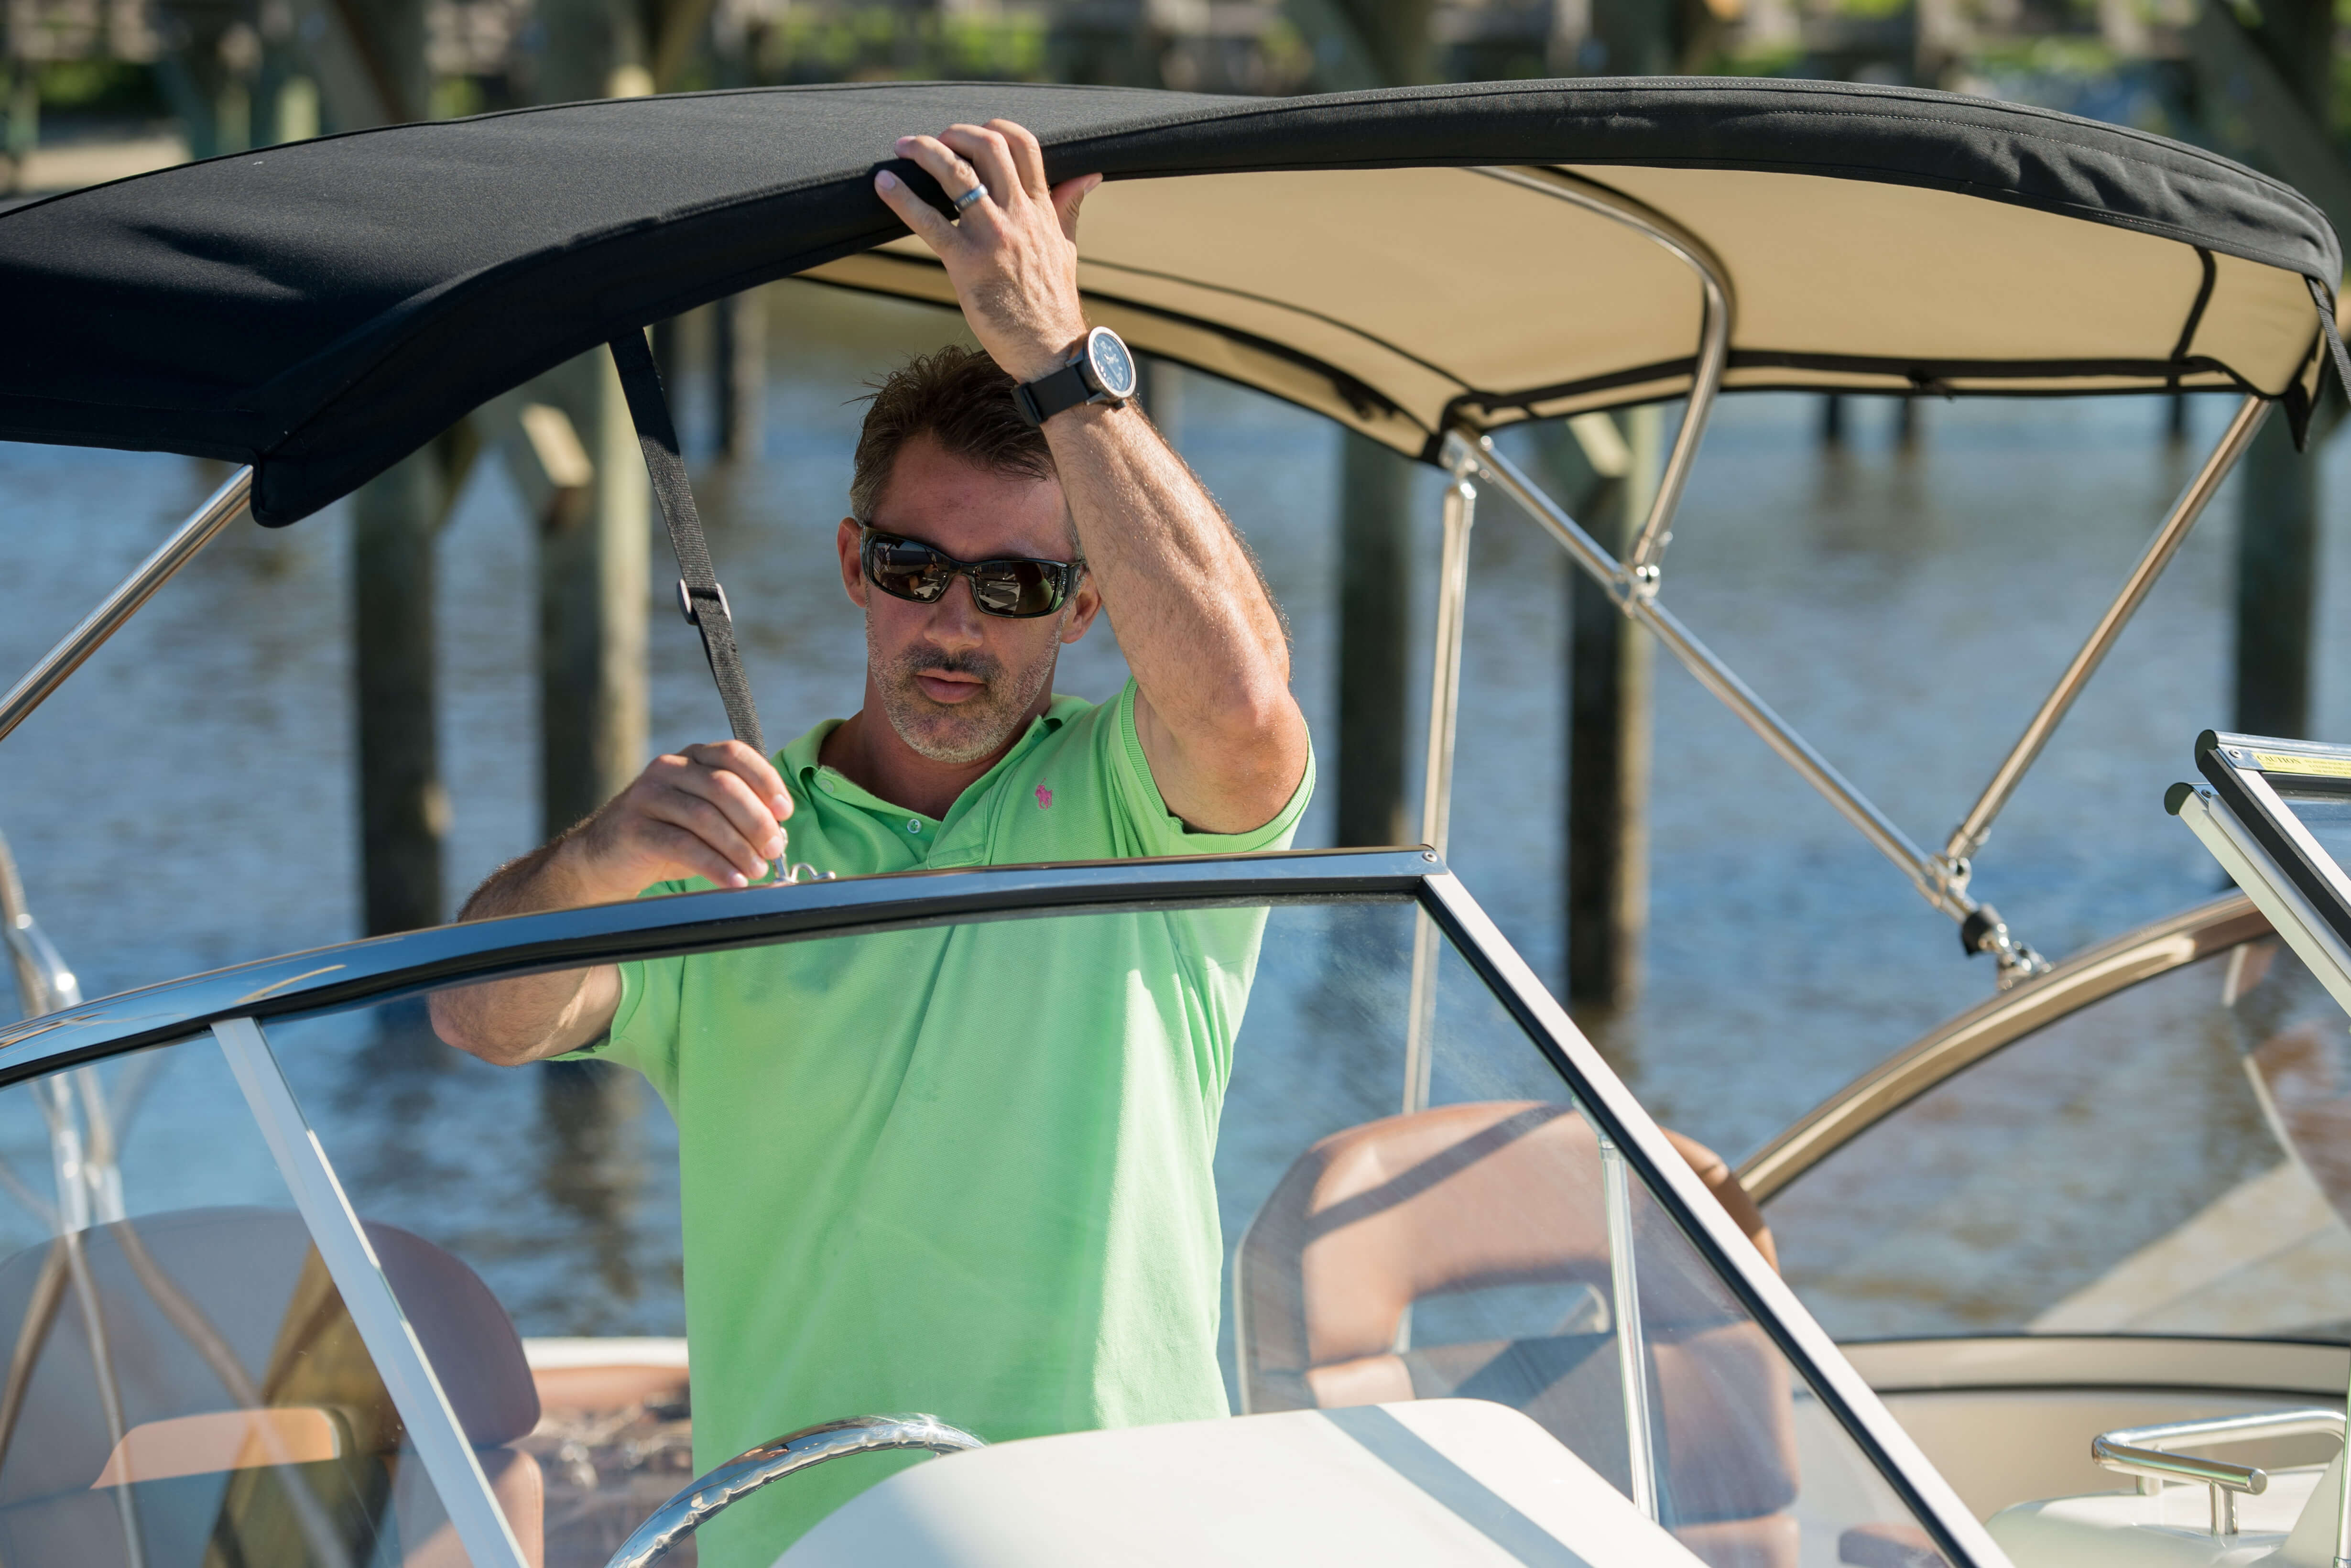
[1401, 301]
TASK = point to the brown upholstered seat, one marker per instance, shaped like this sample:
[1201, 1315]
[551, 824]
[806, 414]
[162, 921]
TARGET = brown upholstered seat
[252, 1416]
[1465, 1197]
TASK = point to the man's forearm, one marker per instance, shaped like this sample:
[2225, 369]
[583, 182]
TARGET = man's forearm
[529, 1017]
[1207, 645]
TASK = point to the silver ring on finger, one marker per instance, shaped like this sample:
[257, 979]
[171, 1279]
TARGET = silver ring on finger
[964, 203]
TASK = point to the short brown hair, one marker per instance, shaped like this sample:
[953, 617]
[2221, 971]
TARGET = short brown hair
[959, 397]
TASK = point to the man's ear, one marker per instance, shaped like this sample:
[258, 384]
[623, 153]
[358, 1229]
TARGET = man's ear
[1084, 605]
[851, 536]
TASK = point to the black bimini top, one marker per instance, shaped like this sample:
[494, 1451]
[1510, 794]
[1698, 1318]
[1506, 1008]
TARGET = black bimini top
[1402, 261]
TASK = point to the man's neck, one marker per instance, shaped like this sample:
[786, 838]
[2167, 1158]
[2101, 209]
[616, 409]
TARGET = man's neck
[867, 752]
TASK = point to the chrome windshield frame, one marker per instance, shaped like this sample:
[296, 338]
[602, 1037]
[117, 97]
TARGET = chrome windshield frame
[381, 968]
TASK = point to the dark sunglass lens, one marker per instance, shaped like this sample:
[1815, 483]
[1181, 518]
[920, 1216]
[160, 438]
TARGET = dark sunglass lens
[906, 570]
[1014, 588]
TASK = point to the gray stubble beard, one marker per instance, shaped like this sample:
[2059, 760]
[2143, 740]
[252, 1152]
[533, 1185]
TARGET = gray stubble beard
[969, 730]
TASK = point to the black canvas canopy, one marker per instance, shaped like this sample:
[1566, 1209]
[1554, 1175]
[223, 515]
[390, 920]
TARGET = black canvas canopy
[1405, 261]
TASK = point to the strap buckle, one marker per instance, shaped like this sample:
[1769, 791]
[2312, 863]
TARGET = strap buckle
[685, 603]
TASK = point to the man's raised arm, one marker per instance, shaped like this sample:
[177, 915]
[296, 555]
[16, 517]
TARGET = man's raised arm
[1225, 741]
[712, 812]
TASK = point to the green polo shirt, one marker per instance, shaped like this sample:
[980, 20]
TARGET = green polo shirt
[964, 1170]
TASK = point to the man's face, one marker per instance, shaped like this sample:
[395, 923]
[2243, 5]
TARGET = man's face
[955, 683]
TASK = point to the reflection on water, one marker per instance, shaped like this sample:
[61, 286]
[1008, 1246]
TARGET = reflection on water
[187, 801]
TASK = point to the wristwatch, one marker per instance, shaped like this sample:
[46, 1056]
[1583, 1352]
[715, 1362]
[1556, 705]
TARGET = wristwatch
[1101, 371]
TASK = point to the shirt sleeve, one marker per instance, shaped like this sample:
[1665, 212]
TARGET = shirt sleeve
[1162, 832]
[643, 1034]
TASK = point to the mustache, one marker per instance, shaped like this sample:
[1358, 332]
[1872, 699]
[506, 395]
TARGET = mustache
[930, 661]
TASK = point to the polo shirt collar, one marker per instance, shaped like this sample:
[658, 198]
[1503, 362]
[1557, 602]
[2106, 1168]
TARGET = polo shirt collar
[802, 767]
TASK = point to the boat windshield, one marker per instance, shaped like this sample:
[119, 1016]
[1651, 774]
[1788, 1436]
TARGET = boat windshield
[1029, 1175]
[2171, 1159]
[187, 1379]
[2327, 812]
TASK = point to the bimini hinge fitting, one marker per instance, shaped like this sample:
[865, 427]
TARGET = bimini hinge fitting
[1983, 930]
[1951, 874]
[1641, 583]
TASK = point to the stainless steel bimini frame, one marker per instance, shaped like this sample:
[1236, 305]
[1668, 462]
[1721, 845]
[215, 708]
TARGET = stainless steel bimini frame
[1941, 879]
[238, 1004]
[223, 507]
[1643, 563]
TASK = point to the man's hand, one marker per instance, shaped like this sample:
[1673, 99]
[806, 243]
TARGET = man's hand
[1013, 254]
[714, 811]
[709, 810]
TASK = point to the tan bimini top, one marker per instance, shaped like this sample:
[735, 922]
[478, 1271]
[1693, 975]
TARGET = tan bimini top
[1404, 261]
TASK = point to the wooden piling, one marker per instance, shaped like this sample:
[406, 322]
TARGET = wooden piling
[403, 806]
[1608, 737]
[1375, 571]
[738, 363]
[2277, 560]
[594, 563]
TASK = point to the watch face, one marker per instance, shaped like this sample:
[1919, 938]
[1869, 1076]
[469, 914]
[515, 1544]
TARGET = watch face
[1113, 366]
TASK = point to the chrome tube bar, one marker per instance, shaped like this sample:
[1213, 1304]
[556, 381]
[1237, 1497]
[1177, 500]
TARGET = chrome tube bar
[1632, 1343]
[2343, 1495]
[44, 984]
[1436, 783]
[223, 509]
[450, 1463]
[2133, 1451]
[1445, 663]
[1976, 826]
[749, 1470]
[1716, 309]
[1716, 676]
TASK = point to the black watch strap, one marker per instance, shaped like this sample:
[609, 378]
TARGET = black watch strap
[1041, 398]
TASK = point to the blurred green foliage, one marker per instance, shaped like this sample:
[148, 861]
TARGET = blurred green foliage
[100, 87]
[871, 43]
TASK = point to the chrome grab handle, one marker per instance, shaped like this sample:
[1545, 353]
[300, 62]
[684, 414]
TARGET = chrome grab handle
[749, 1470]
[2135, 1451]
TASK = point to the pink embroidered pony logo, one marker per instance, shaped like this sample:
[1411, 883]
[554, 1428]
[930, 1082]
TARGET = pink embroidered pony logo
[1044, 798]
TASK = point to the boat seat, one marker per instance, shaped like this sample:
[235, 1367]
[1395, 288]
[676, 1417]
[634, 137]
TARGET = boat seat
[1467, 1198]
[254, 1426]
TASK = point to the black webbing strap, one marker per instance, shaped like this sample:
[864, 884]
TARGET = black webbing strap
[698, 593]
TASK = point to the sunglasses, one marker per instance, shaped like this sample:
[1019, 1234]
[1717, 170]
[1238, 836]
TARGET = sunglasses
[1017, 589]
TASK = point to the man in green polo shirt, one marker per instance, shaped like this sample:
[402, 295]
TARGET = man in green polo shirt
[967, 1169]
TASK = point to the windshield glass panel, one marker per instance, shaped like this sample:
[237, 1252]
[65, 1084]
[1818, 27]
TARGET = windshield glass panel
[2327, 813]
[1058, 1173]
[2167, 1160]
[184, 1387]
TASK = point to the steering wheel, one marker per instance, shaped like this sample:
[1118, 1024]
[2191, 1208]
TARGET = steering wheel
[749, 1470]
